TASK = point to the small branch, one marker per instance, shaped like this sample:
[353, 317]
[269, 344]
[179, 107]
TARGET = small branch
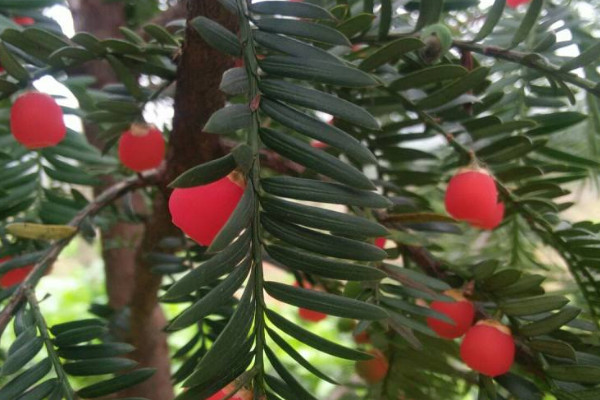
[530, 60]
[41, 324]
[101, 201]
[533, 61]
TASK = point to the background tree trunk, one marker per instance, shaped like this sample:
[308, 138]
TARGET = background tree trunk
[197, 97]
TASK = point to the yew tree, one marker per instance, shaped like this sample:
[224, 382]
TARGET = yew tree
[403, 173]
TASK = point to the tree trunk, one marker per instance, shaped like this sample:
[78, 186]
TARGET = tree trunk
[197, 97]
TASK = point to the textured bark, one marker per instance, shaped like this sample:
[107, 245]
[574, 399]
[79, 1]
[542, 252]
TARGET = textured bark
[197, 97]
[121, 241]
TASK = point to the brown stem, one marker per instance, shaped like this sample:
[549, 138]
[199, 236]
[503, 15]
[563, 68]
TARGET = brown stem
[197, 96]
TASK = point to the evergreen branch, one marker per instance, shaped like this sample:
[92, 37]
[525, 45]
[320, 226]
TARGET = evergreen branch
[104, 199]
[41, 324]
[530, 60]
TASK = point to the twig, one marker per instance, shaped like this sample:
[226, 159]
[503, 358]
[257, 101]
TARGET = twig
[101, 201]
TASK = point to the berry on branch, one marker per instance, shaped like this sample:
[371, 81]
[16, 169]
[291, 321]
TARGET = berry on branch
[488, 348]
[375, 369]
[472, 196]
[243, 394]
[201, 211]
[14, 276]
[142, 147]
[36, 121]
[460, 311]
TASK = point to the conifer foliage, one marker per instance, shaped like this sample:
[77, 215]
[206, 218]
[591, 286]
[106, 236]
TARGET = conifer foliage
[450, 136]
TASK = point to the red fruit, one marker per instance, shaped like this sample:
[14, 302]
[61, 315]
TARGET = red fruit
[460, 311]
[14, 276]
[243, 394]
[488, 348]
[239, 62]
[375, 369]
[310, 315]
[380, 242]
[472, 196]
[24, 21]
[317, 144]
[362, 338]
[142, 147]
[201, 211]
[516, 3]
[493, 220]
[36, 121]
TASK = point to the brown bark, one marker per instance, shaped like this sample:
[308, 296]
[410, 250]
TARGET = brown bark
[121, 241]
[197, 97]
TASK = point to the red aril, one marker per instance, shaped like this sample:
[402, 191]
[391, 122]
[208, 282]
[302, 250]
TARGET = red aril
[362, 337]
[317, 144]
[516, 3]
[380, 242]
[36, 121]
[142, 147]
[375, 369]
[460, 311]
[201, 211]
[14, 276]
[24, 21]
[242, 394]
[488, 348]
[472, 196]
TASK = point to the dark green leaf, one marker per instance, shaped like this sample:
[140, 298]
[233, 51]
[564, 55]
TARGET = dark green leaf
[116, 384]
[323, 192]
[98, 366]
[320, 218]
[205, 173]
[551, 323]
[315, 159]
[318, 130]
[229, 119]
[217, 36]
[533, 305]
[528, 22]
[220, 264]
[322, 71]
[328, 268]
[493, 17]
[334, 246]
[317, 100]
[313, 340]
[307, 30]
[324, 302]
[291, 9]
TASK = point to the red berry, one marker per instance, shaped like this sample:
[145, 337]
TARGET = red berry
[238, 63]
[242, 394]
[380, 242]
[516, 3]
[317, 144]
[488, 348]
[14, 276]
[142, 148]
[36, 121]
[24, 21]
[375, 369]
[460, 311]
[201, 211]
[493, 220]
[310, 315]
[362, 338]
[472, 196]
